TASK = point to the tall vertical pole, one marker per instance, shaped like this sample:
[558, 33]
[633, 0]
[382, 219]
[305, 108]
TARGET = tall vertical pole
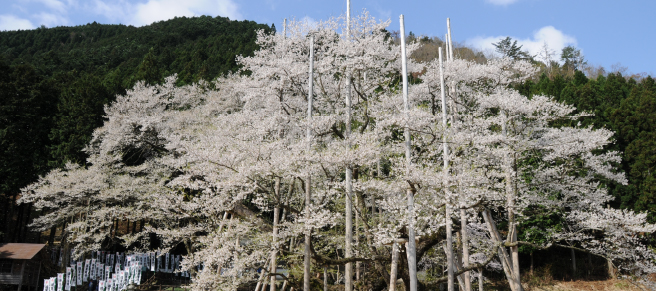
[274, 252]
[448, 26]
[306, 263]
[463, 214]
[446, 45]
[411, 249]
[445, 153]
[348, 269]
[465, 247]
[276, 210]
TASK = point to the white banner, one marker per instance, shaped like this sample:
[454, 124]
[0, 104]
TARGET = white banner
[67, 285]
[60, 281]
[108, 271]
[85, 277]
[152, 262]
[92, 269]
[79, 273]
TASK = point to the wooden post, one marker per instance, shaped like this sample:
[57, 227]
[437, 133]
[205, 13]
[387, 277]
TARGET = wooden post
[38, 276]
[20, 283]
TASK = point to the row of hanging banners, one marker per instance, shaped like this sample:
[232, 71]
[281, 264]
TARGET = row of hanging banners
[115, 272]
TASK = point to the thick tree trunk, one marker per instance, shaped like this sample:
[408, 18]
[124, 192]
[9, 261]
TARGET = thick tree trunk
[51, 236]
[3, 234]
[325, 279]
[394, 267]
[18, 225]
[573, 263]
[459, 264]
[511, 195]
[503, 255]
[261, 279]
[24, 229]
[590, 266]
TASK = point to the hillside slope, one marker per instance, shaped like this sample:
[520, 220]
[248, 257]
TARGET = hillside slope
[54, 83]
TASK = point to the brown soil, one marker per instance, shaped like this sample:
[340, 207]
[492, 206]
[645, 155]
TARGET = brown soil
[605, 285]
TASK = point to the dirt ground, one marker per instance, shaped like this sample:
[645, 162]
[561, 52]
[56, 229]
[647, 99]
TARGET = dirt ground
[606, 285]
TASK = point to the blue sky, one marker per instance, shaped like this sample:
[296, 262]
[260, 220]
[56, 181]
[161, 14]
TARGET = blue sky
[608, 32]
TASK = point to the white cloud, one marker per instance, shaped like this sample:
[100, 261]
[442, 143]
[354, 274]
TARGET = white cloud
[11, 22]
[54, 5]
[156, 10]
[310, 21]
[50, 20]
[502, 2]
[115, 10]
[555, 39]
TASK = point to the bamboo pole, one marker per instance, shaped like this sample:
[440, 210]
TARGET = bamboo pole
[274, 251]
[445, 154]
[348, 269]
[465, 247]
[448, 25]
[446, 45]
[411, 251]
[306, 263]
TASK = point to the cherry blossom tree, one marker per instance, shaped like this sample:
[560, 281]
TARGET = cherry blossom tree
[224, 169]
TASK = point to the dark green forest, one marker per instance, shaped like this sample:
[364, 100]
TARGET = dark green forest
[54, 83]
[627, 107]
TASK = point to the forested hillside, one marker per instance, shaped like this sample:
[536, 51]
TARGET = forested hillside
[54, 83]
[627, 107]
